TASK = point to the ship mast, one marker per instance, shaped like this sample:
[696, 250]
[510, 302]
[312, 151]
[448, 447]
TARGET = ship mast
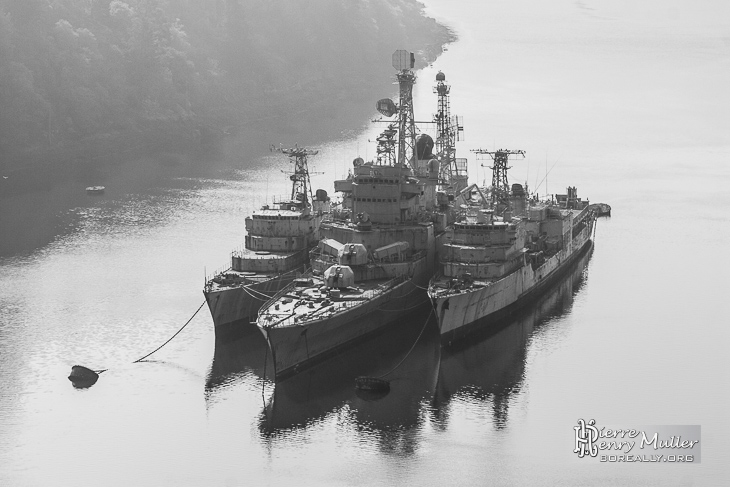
[500, 186]
[301, 190]
[403, 61]
[447, 130]
[386, 146]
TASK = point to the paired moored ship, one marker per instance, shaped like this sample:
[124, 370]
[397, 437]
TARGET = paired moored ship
[375, 259]
[367, 272]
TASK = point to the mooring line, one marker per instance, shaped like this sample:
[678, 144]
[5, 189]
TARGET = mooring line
[263, 377]
[173, 336]
[251, 291]
[83, 377]
[412, 346]
[402, 309]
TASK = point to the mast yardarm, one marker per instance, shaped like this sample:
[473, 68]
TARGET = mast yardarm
[500, 186]
[301, 190]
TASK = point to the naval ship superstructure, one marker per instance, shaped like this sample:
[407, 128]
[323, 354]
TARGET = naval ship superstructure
[504, 252]
[278, 240]
[376, 255]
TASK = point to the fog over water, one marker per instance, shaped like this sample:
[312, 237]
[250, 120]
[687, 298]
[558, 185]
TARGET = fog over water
[627, 101]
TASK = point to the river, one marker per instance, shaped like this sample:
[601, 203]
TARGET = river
[627, 101]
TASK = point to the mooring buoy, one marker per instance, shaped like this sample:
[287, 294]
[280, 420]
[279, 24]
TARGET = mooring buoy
[82, 377]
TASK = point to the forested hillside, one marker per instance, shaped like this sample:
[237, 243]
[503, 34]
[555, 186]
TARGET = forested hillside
[87, 79]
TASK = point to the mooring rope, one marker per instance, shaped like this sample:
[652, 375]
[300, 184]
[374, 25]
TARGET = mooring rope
[173, 336]
[412, 347]
[263, 377]
[251, 291]
[416, 288]
[402, 309]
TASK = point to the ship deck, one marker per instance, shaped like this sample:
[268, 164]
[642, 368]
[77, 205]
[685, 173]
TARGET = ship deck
[299, 305]
[445, 286]
[348, 225]
[232, 279]
[245, 253]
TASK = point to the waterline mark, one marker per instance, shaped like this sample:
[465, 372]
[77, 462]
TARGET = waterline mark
[651, 444]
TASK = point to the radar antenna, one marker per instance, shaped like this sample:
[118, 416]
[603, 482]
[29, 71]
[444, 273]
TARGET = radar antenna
[500, 186]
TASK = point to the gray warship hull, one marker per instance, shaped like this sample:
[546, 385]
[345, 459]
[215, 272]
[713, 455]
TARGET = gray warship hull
[300, 346]
[234, 309]
[477, 309]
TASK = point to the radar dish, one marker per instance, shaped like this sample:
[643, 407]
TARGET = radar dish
[403, 60]
[386, 107]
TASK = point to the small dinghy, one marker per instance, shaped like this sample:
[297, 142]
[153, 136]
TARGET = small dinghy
[602, 209]
[372, 384]
[95, 190]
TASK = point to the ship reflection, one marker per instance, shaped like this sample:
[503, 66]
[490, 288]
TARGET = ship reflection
[486, 369]
[490, 369]
[390, 420]
[236, 361]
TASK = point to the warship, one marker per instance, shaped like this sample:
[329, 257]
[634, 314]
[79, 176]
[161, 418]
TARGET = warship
[275, 252]
[373, 263]
[504, 251]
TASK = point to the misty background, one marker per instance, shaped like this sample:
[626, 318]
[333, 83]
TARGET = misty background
[88, 85]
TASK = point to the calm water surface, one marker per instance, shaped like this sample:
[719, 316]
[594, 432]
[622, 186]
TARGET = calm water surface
[627, 101]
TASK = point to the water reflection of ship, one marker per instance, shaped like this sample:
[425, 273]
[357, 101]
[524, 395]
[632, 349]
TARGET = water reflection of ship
[490, 368]
[235, 361]
[329, 388]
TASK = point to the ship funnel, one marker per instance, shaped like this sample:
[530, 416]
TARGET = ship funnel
[485, 216]
[518, 200]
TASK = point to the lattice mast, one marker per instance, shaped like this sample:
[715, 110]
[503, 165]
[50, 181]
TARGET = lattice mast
[404, 61]
[500, 186]
[386, 146]
[300, 176]
[447, 132]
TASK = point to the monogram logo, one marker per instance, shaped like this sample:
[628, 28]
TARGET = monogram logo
[586, 435]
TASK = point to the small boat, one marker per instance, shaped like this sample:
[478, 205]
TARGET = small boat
[374, 384]
[602, 209]
[95, 190]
